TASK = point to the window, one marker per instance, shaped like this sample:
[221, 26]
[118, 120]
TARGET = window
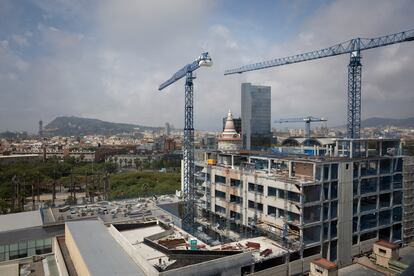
[334, 171]
[13, 251]
[334, 229]
[251, 187]
[397, 214]
[271, 210]
[219, 179]
[326, 231]
[354, 239]
[397, 165]
[355, 224]
[384, 234]
[312, 234]
[312, 214]
[368, 203]
[235, 182]
[355, 187]
[312, 193]
[385, 166]
[294, 196]
[334, 209]
[368, 185]
[385, 217]
[396, 232]
[397, 198]
[220, 194]
[355, 206]
[235, 215]
[372, 167]
[236, 199]
[382, 251]
[385, 183]
[326, 211]
[219, 209]
[364, 168]
[333, 251]
[293, 217]
[397, 181]
[326, 191]
[259, 188]
[385, 200]
[334, 190]
[326, 172]
[368, 221]
[318, 173]
[368, 236]
[271, 191]
[356, 170]
[252, 206]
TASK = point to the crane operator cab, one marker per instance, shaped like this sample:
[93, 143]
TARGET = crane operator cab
[205, 60]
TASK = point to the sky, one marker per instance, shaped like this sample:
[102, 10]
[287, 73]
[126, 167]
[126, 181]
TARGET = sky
[105, 59]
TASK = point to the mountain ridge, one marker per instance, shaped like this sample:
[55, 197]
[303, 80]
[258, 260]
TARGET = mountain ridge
[385, 122]
[75, 126]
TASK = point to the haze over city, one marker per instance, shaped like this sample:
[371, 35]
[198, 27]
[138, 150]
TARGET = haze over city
[105, 59]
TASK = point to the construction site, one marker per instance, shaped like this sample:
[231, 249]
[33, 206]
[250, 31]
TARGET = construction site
[317, 198]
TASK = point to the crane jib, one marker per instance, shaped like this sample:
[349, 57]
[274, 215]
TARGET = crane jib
[356, 44]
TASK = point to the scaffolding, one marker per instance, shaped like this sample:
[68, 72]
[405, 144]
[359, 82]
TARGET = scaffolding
[408, 199]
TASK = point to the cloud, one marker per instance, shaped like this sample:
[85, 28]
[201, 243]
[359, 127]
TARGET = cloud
[105, 59]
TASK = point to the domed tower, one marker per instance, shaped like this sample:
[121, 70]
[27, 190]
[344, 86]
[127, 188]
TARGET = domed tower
[229, 139]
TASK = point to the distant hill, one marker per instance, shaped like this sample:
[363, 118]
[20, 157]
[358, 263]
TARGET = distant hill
[75, 126]
[383, 122]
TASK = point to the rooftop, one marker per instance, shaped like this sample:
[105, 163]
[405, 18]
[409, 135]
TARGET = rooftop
[16, 221]
[387, 244]
[100, 252]
[322, 262]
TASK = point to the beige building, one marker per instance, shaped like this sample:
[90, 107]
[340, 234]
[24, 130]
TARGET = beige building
[384, 252]
[323, 267]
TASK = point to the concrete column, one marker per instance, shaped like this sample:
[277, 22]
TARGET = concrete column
[345, 214]
[351, 149]
[380, 148]
[269, 166]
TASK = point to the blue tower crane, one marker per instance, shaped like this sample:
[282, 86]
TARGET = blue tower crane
[307, 120]
[352, 47]
[188, 146]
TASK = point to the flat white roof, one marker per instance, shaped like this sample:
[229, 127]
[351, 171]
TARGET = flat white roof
[99, 250]
[136, 238]
[138, 234]
[19, 155]
[21, 220]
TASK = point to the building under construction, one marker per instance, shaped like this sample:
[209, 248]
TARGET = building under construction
[333, 200]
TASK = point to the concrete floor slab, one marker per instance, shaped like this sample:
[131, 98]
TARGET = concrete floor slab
[358, 270]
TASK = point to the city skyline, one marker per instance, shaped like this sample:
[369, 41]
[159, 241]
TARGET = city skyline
[104, 60]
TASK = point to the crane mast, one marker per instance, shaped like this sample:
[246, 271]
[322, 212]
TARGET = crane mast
[188, 145]
[352, 47]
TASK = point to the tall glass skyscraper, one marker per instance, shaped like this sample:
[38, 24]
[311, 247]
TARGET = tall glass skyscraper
[256, 116]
